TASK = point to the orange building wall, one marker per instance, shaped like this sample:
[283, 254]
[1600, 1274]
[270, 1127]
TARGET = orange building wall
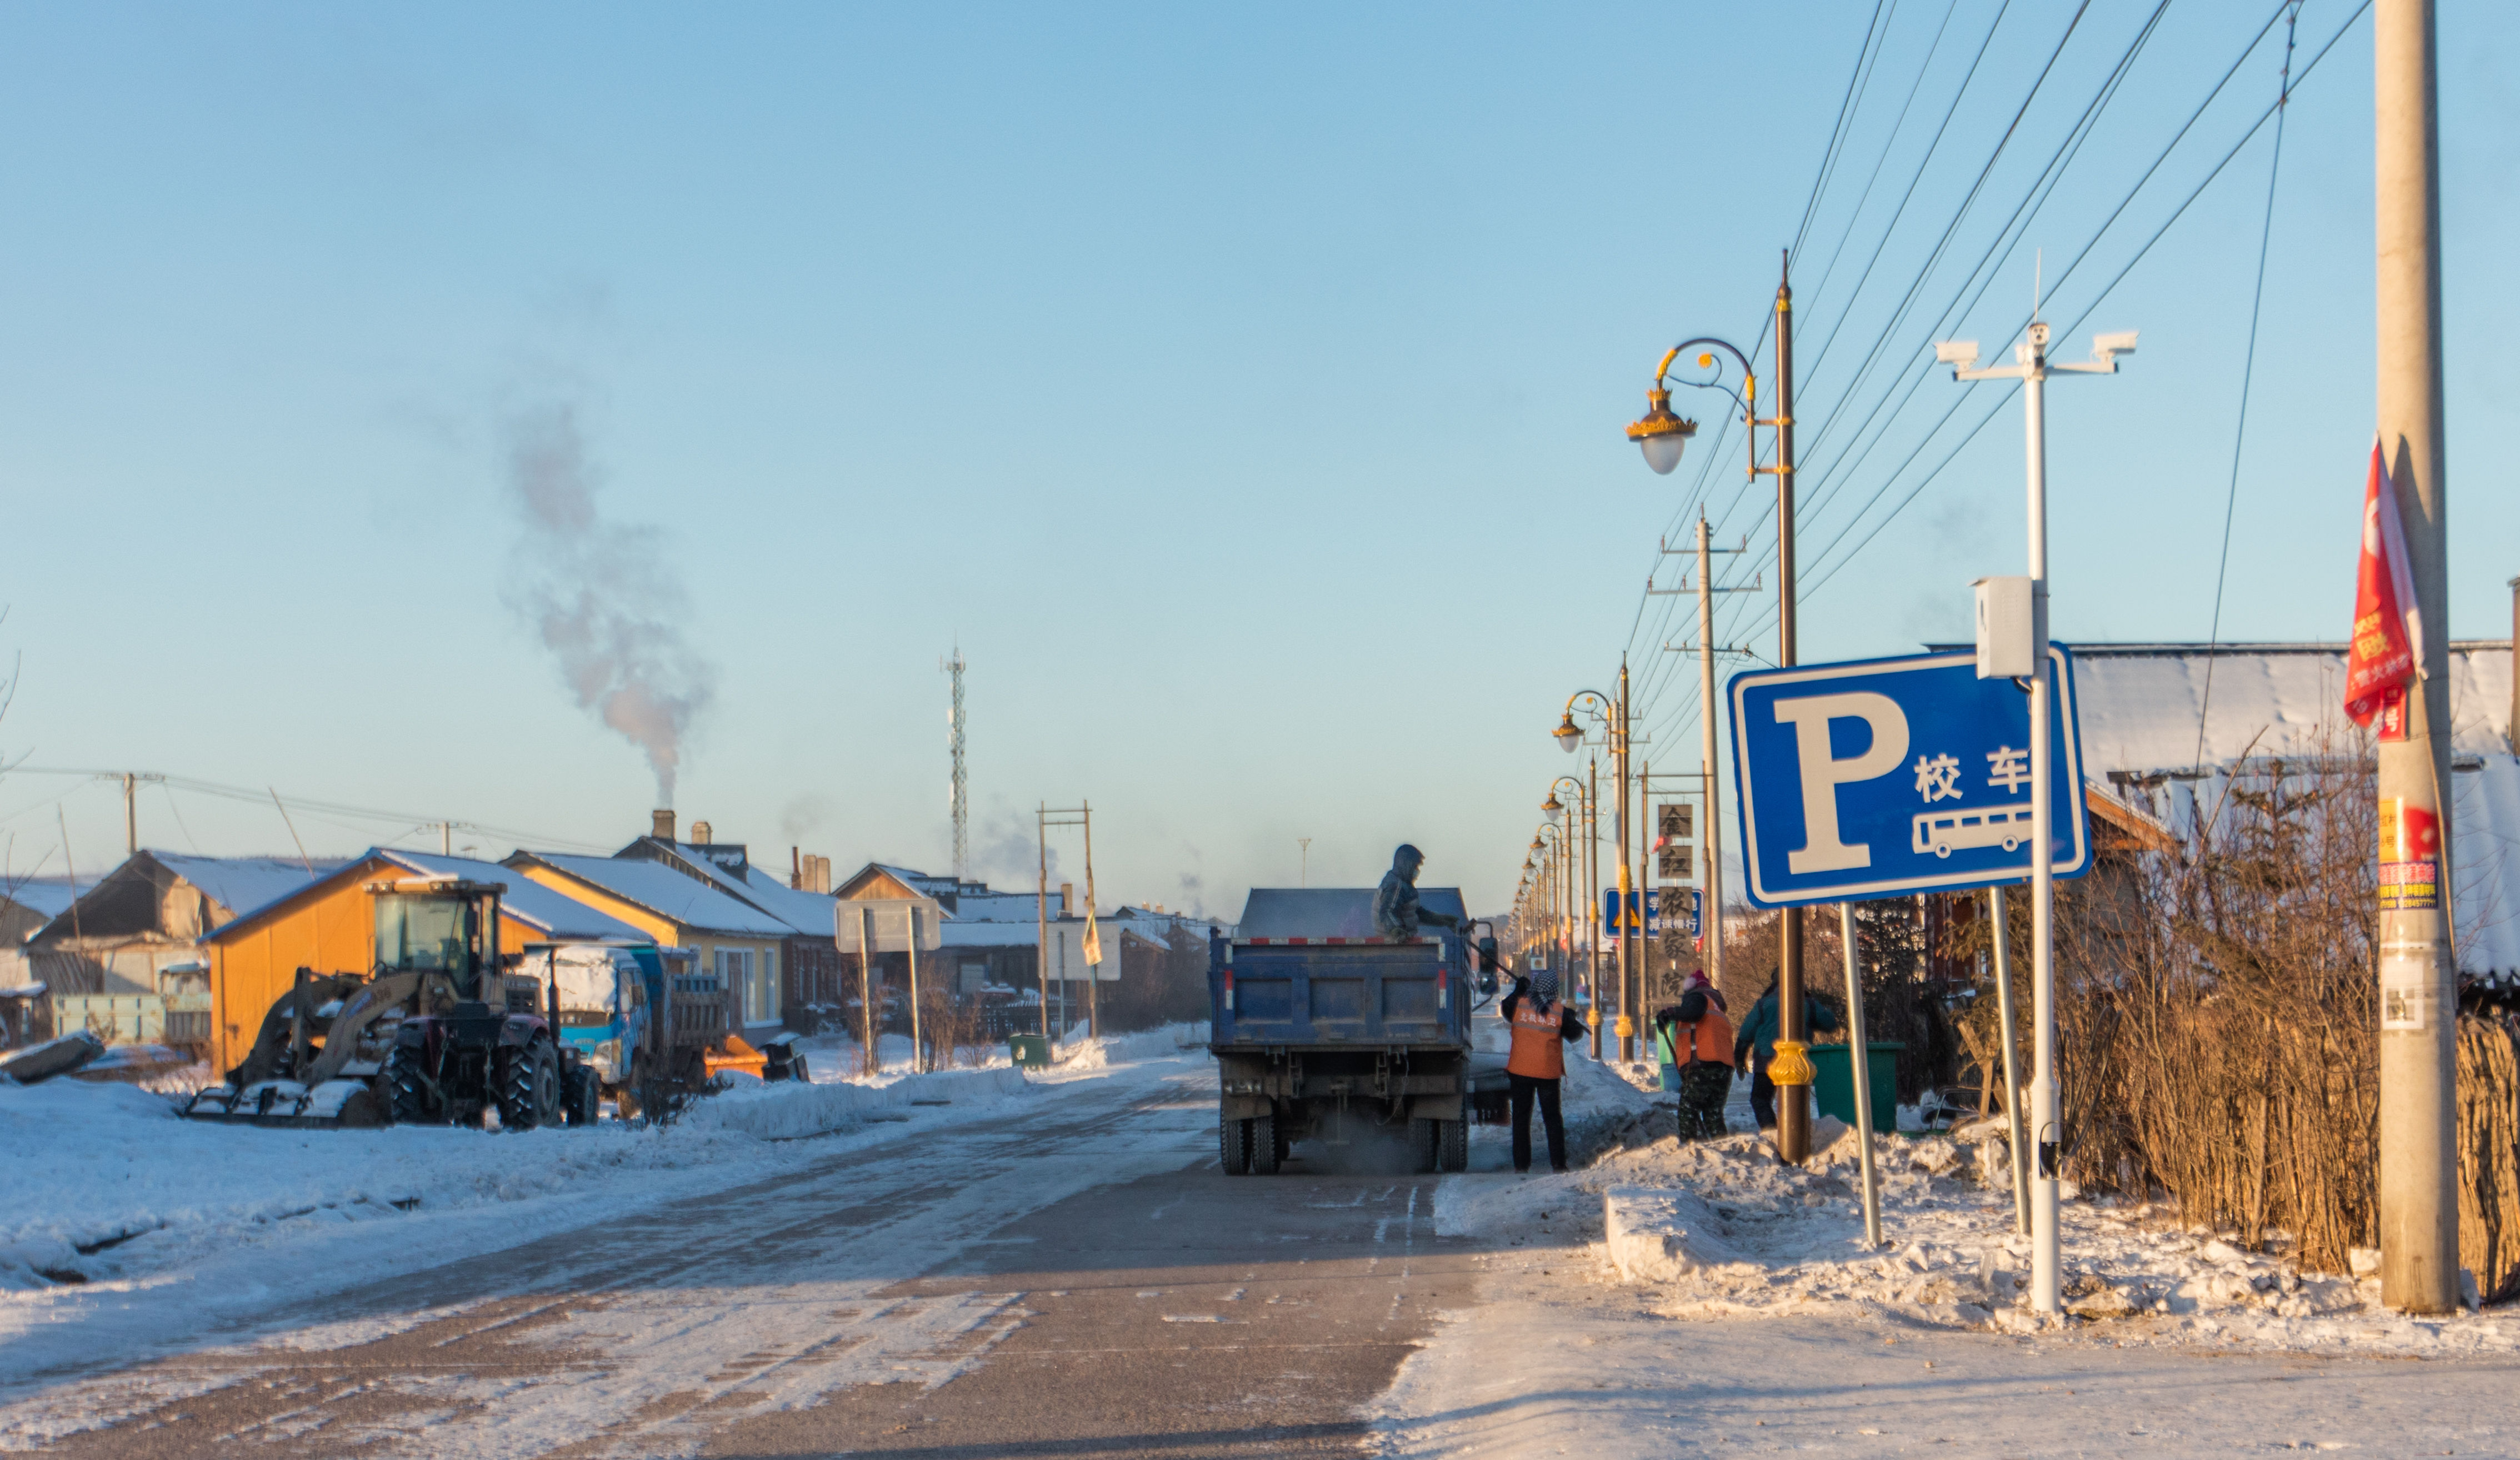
[330, 929]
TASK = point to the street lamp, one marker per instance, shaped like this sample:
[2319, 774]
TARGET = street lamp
[1614, 713]
[1659, 433]
[1793, 1111]
[1584, 885]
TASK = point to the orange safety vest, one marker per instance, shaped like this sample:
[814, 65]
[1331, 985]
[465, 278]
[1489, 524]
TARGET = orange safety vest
[1714, 1036]
[1537, 1053]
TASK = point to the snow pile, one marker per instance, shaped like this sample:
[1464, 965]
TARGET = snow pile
[105, 1182]
[1722, 1227]
[790, 1108]
[1170, 1043]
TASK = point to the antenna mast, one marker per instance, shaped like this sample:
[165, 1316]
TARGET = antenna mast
[961, 793]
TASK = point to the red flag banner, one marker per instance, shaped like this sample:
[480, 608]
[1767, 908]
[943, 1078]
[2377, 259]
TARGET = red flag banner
[2388, 629]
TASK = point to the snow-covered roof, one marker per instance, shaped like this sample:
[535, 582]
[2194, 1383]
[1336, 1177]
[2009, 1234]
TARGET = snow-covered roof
[554, 914]
[998, 908]
[2141, 707]
[667, 892]
[809, 913]
[238, 884]
[49, 897]
[551, 913]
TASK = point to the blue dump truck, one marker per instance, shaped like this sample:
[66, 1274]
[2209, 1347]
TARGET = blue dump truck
[1323, 1030]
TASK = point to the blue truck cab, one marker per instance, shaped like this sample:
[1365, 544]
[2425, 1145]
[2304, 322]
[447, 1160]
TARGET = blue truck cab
[1323, 1029]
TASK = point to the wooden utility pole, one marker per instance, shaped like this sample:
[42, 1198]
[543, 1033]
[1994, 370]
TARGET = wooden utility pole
[2418, 1005]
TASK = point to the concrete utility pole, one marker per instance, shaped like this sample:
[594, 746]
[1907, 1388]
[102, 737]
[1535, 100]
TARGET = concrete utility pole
[1710, 927]
[2418, 1158]
[1793, 1101]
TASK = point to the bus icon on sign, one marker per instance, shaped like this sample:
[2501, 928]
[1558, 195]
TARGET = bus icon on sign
[1941, 832]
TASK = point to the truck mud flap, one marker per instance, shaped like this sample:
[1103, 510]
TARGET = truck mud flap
[1244, 1107]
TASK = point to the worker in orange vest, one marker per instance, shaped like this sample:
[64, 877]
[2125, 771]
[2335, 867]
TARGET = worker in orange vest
[1694, 1038]
[1542, 1026]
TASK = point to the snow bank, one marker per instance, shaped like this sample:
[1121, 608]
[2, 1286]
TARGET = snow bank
[790, 1110]
[1722, 1227]
[106, 1183]
[1172, 1042]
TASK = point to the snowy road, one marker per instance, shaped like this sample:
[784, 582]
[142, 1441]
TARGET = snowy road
[1075, 1280]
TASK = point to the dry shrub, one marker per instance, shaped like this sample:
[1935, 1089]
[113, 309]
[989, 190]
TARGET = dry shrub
[2216, 1020]
[2488, 1154]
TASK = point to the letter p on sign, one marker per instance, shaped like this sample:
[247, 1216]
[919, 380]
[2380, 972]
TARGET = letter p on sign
[1822, 774]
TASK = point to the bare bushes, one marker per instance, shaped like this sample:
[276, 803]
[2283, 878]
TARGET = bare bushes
[2488, 1154]
[2216, 1027]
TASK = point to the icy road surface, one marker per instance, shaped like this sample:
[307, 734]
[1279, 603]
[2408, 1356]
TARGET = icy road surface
[1078, 1279]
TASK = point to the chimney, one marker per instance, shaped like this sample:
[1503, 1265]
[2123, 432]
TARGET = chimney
[699, 834]
[663, 828]
[821, 874]
[796, 869]
[1066, 899]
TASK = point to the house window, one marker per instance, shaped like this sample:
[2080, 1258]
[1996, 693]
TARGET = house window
[735, 972]
[768, 982]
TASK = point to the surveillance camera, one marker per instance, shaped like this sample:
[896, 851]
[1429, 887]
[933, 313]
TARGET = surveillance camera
[1960, 355]
[2120, 344]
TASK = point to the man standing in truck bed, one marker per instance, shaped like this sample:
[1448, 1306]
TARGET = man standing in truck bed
[1396, 913]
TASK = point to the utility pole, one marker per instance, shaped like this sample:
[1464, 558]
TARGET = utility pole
[1593, 890]
[446, 839]
[2033, 369]
[2418, 1162]
[1304, 866]
[1619, 829]
[1710, 927]
[1793, 1100]
[869, 1013]
[130, 816]
[1046, 817]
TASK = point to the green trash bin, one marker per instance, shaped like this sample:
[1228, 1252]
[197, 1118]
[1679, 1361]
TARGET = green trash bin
[1028, 1051]
[1834, 1084]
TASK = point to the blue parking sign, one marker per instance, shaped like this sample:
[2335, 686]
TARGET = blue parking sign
[1887, 777]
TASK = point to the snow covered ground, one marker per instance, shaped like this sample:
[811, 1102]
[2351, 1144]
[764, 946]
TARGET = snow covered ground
[126, 1231]
[1747, 1314]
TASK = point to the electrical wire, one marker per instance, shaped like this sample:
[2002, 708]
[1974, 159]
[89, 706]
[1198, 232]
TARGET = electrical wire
[2248, 371]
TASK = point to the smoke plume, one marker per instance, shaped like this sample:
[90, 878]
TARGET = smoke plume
[603, 597]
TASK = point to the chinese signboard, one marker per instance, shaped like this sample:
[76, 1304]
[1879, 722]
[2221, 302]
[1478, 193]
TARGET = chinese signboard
[1888, 777]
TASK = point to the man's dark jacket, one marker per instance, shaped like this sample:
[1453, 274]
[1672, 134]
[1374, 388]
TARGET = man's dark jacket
[1760, 1027]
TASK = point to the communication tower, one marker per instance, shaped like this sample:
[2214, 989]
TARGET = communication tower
[961, 794]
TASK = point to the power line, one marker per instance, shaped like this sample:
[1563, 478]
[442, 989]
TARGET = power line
[1766, 612]
[2248, 371]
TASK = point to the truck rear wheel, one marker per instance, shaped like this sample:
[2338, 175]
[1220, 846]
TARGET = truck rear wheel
[1233, 1144]
[1265, 1149]
[1425, 1145]
[1455, 1155]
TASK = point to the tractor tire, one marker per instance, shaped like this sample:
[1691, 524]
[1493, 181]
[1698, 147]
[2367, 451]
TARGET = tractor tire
[529, 1095]
[582, 1094]
[1267, 1149]
[1454, 1153]
[406, 1098]
[1234, 1143]
[1425, 1145]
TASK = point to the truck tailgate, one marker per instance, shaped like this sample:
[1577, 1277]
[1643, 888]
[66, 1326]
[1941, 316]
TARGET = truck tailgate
[1376, 993]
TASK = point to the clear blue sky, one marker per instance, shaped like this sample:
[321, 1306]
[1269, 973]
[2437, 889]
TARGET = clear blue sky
[1241, 389]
